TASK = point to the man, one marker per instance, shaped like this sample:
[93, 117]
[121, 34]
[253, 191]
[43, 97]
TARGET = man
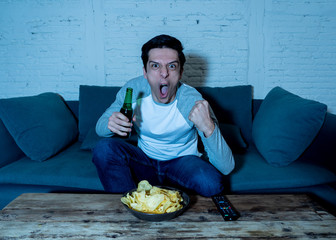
[168, 117]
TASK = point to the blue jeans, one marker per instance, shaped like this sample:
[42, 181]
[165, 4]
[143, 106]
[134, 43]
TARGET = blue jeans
[121, 166]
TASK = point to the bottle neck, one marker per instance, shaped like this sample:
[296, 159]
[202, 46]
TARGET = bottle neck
[128, 98]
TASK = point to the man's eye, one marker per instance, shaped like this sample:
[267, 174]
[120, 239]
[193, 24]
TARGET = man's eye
[172, 66]
[155, 66]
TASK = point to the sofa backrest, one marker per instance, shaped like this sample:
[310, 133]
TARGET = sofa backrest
[93, 101]
[232, 105]
[322, 150]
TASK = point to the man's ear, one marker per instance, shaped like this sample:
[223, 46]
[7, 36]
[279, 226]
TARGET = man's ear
[144, 72]
[181, 72]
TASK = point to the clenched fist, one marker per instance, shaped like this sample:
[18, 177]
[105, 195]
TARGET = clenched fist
[200, 116]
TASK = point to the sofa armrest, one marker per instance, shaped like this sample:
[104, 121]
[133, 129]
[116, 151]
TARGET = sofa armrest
[322, 151]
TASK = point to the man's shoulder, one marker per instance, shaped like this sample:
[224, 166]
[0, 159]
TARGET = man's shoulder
[189, 92]
[187, 96]
[137, 82]
[140, 86]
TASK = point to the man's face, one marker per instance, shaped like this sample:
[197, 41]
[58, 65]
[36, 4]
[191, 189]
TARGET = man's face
[163, 74]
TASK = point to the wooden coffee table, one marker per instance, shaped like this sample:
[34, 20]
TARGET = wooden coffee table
[102, 216]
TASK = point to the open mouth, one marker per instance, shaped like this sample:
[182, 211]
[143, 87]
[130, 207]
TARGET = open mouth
[163, 90]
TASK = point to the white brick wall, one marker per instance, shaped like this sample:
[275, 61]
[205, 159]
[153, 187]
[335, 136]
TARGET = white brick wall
[59, 45]
[300, 51]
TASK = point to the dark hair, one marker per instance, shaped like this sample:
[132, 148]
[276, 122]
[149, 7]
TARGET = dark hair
[162, 41]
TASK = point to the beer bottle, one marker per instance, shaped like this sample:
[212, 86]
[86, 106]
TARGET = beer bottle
[126, 109]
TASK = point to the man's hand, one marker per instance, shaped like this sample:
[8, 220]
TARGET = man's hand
[118, 123]
[200, 116]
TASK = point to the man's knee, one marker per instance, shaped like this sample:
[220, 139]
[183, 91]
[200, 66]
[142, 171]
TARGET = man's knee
[105, 150]
[209, 183]
[100, 149]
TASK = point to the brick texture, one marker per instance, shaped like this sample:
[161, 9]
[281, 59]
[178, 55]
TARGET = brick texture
[58, 45]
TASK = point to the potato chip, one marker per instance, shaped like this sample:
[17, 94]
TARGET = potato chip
[151, 199]
[144, 186]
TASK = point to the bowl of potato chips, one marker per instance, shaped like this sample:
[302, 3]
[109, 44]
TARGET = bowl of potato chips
[155, 203]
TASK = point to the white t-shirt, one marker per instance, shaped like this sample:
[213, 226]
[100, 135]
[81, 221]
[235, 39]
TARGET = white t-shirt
[173, 140]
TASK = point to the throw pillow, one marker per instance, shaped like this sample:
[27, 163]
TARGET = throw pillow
[285, 126]
[10, 151]
[41, 125]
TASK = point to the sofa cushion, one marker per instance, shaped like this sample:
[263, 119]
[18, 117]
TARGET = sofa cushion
[285, 126]
[252, 172]
[10, 151]
[70, 168]
[231, 105]
[91, 139]
[41, 125]
[93, 101]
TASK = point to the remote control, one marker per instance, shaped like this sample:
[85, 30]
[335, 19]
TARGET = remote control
[225, 208]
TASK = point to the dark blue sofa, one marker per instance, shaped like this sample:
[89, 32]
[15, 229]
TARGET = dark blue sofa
[250, 127]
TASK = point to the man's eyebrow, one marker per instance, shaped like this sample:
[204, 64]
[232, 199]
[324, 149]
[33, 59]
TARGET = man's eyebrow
[175, 61]
[153, 62]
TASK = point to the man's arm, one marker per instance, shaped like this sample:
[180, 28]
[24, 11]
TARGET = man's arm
[219, 153]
